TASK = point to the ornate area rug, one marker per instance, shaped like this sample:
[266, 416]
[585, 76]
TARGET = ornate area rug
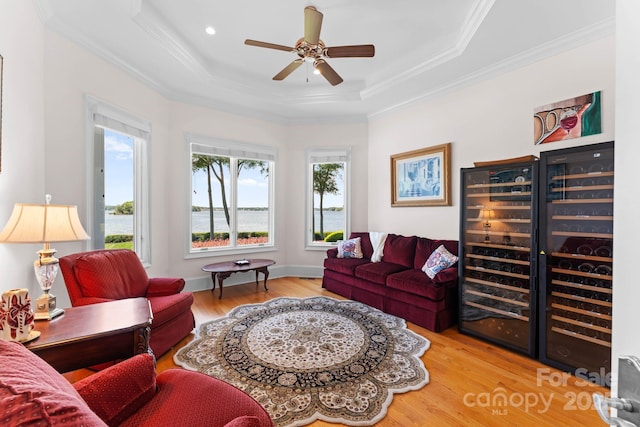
[312, 359]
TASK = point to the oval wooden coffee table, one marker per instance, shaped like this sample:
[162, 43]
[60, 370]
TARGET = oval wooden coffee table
[225, 269]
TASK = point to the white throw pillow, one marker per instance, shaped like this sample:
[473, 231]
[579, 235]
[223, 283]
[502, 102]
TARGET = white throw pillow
[377, 241]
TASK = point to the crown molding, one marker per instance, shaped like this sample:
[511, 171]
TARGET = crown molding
[149, 20]
[473, 21]
[570, 41]
[271, 102]
[43, 9]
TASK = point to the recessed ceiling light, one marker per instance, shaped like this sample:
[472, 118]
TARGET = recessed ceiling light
[210, 30]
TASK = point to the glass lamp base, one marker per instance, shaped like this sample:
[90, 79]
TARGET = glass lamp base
[46, 308]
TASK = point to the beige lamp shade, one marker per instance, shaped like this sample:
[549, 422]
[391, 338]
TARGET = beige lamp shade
[43, 224]
[487, 214]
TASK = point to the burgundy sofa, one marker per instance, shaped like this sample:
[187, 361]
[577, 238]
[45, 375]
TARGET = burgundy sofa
[397, 285]
[32, 393]
[106, 275]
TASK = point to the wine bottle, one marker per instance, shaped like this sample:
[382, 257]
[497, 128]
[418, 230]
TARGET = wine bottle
[592, 117]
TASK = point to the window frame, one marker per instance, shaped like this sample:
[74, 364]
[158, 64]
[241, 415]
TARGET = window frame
[101, 114]
[326, 155]
[234, 150]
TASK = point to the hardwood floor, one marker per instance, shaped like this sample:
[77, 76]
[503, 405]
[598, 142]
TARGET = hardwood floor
[472, 383]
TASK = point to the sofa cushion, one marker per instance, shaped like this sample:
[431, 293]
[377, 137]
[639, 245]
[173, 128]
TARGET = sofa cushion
[377, 272]
[439, 260]
[416, 282]
[344, 265]
[33, 393]
[349, 248]
[115, 400]
[365, 243]
[167, 308]
[112, 274]
[400, 250]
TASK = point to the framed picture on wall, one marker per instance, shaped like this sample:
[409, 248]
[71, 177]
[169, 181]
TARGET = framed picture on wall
[422, 177]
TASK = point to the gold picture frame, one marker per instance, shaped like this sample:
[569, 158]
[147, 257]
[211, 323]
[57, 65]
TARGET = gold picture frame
[422, 177]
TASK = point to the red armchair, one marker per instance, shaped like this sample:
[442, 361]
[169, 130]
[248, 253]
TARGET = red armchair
[106, 275]
[126, 394]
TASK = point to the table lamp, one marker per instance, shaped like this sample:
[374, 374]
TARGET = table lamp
[44, 224]
[486, 215]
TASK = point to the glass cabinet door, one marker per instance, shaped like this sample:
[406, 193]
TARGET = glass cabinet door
[576, 258]
[497, 299]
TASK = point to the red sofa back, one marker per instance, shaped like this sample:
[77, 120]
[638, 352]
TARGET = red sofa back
[399, 250]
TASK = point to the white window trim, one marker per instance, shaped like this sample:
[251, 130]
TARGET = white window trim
[220, 147]
[100, 113]
[326, 155]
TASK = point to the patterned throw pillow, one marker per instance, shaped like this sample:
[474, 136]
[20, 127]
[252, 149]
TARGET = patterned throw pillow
[440, 259]
[349, 248]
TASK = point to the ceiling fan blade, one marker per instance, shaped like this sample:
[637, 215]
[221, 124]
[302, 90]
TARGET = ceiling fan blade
[328, 72]
[288, 69]
[357, 51]
[312, 25]
[268, 45]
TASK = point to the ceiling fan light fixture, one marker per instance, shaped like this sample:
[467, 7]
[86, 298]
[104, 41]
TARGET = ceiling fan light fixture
[210, 30]
[311, 49]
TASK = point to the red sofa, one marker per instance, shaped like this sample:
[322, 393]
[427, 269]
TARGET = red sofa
[32, 393]
[107, 275]
[397, 285]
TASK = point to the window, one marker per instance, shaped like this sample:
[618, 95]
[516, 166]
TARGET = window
[231, 196]
[327, 196]
[119, 182]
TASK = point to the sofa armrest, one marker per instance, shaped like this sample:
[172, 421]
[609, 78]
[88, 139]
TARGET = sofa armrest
[117, 392]
[447, 275]
[244, 421]
[332, 253]
[163, 286]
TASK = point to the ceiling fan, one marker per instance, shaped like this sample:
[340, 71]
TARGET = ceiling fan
[310, 48]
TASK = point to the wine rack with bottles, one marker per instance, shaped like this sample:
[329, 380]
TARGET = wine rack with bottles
[576, 257]
[497, 297]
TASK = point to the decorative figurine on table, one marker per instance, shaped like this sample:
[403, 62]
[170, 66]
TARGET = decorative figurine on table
[16, 316]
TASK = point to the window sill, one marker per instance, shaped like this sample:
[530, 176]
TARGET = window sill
[320, 247]
[208, 253]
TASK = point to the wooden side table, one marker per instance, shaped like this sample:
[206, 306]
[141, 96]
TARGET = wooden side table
[92, 334]
[225, 269]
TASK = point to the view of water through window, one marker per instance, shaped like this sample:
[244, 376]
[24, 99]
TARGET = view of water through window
[253, 220]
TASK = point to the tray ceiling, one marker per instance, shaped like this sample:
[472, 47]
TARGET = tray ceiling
[423, 47]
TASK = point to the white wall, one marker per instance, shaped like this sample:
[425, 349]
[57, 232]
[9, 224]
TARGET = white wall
[72, 72]
[299, 139]
[491, 120]
[219, 125]
[22, 132]
[626, 298]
